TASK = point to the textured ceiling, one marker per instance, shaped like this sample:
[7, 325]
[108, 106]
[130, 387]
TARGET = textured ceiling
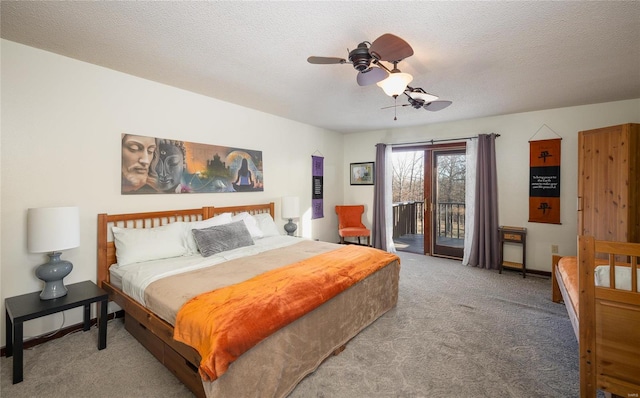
[489, 58]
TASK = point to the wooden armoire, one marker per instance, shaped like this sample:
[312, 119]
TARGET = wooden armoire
[609, 183]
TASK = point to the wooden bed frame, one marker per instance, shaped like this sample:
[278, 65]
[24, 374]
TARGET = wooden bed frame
[154, 333]
[266, 367]
[608, 321]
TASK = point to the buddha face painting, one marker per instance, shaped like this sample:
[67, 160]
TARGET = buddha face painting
[170, 165]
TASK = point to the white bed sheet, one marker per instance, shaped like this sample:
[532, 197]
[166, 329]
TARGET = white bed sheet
[133, 279]
[623, 277]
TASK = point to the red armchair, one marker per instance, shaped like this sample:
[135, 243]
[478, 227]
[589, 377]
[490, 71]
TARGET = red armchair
[350, 223]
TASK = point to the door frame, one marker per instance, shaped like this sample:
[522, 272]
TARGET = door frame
[429, 186]
[427, 227]
[435, 249]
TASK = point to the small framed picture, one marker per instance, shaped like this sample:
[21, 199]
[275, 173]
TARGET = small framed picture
[362, 173]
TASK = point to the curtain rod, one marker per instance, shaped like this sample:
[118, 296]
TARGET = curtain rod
[440, 140]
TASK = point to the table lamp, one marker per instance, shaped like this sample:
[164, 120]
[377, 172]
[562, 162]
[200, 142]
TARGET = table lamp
[290, 210]
[49, 230]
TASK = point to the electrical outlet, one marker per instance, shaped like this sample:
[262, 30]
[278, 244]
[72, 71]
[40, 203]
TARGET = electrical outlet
[554, 249]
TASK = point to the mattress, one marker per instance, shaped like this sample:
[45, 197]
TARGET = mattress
[568, 269]
[623, 277]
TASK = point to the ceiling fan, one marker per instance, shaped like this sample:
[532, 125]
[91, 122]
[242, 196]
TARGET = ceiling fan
[418, 98]
[388, 48]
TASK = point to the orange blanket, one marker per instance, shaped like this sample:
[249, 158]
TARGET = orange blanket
[225, 323]
[568, 268]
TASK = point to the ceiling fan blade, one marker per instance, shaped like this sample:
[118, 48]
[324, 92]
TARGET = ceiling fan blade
[437, 105]
[371, 76]
[394, 106]
[390, 48]
[326, 60]
[422, 95]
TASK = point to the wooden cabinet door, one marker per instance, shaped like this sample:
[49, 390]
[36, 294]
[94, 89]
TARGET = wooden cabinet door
[607, 183]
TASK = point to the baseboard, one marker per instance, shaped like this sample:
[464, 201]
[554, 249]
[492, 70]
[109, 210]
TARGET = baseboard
[533, 272]
[62, 332]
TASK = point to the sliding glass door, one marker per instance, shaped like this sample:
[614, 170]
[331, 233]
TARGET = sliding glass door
[429, 199]
[448, 202]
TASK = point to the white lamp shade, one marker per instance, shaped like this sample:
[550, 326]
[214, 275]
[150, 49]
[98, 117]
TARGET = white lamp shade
[395, 84]
[51, 229]
[290, 207]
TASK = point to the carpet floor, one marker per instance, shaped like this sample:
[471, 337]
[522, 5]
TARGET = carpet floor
[456, 332]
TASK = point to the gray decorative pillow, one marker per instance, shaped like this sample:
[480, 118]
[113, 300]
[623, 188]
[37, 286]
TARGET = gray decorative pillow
[220, 238]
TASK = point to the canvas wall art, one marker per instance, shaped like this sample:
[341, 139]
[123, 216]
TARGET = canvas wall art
[362, 173]
[152, 165]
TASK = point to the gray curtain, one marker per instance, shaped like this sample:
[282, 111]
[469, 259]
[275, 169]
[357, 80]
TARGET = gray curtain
[379, 228]
[485, 247]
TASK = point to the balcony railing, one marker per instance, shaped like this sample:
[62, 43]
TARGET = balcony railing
[450, 219]
[408, 219]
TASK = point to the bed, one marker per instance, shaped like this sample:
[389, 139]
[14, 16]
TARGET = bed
[275, 365]
[600, 290]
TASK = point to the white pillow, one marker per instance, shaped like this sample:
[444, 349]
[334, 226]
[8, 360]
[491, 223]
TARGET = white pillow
[190, 242]
[135, 245]
[250, 222]
[266, 224]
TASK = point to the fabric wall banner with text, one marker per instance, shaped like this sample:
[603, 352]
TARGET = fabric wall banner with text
[544, 181]
[317, 175]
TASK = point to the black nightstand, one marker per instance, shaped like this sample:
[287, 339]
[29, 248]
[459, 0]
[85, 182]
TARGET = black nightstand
[29, 306]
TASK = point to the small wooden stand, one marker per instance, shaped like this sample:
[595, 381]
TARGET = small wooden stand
[513, 235]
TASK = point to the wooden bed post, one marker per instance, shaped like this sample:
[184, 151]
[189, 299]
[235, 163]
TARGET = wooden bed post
[586, 315]
[556, 295]
[103, 273]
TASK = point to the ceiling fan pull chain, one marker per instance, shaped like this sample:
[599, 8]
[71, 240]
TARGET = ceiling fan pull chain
[395, 108]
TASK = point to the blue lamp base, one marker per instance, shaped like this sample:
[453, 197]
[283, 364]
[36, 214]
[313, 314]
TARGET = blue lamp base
[290, 227]
[51, 274]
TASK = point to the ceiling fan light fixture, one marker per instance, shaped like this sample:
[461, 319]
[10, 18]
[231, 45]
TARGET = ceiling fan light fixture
[396, 83]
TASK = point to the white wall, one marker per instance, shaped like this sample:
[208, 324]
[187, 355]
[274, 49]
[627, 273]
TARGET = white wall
[61, 126]
[60, 145]
[512, 149]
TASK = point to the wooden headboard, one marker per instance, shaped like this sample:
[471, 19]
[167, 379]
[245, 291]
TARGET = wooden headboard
[107, 249]
[251, 209]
